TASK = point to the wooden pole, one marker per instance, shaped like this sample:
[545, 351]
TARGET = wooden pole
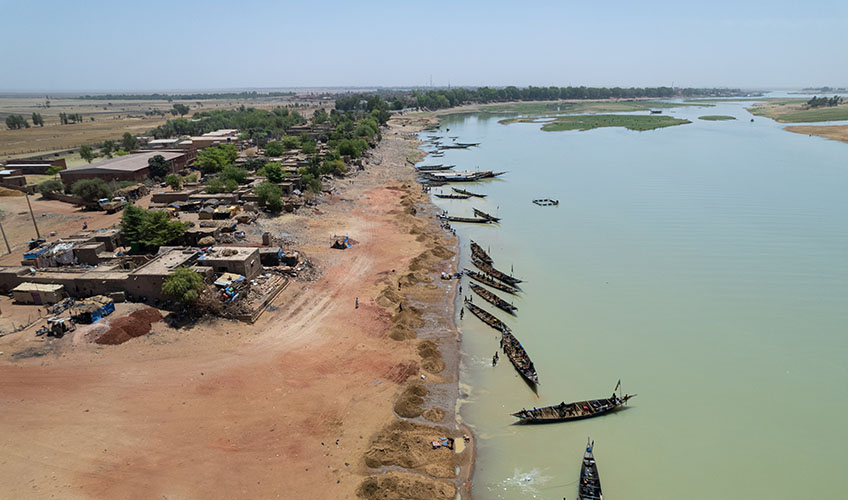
[33, 218]
[4, 238]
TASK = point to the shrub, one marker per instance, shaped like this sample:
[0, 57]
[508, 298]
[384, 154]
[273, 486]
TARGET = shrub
[174, 181]
[274, 172]
[270, 195]
[91, 190]
[183, 285]
[50, 186]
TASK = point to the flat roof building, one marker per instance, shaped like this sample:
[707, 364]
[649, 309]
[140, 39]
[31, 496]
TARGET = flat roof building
[132, 167]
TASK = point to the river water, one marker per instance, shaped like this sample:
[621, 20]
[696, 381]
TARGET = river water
[704, 265]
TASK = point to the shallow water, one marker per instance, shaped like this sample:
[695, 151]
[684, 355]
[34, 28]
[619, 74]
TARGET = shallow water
[704, 265]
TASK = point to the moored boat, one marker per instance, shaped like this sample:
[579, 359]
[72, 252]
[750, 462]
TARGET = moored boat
[519, 358]
[478, 253]
[471, 220]
[480, 213]
[488, 280]
[491, 271]
[589, 487]
[434, 168]
[452, 196]
[492, 298]
[573, 411]
[469, 193]
[486, 317]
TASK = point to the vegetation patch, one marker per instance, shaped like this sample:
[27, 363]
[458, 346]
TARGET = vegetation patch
[716, 118]
[799, 111]
[631, 122]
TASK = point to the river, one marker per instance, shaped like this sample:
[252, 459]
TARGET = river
[704, 265]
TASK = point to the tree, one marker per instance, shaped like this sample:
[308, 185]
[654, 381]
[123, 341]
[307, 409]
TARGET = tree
[239, 175]
[182, 109]
[291, 142]
[307, 146]
[320, 116]
[91, 190]
[215, 186]
[86, 153]
[274, 149]
[270, 195]
[108, 147]
[159, 167]
[274, 172]
[50, 186]
[183, 285]
[37, 119]
[150, 229]
[128, 142]
[214, 159]
[16, 122]
[174, 181]
[54, 169]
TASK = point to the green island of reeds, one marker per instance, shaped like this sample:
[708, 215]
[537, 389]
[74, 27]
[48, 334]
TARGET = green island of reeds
[630, 122]
[716, 118]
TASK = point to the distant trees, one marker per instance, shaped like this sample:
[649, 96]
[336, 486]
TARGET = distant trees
[16, 122]
[149, 229]
[91, 190]
[37, 119]
[159, 167]
[214, 159]
[320, 116]
[66, 118]
[108, 148]
[183, 285]
[128, 142]
[818, 102]
[274, 149]
[86, 153]
[254, 123]
[181, 109]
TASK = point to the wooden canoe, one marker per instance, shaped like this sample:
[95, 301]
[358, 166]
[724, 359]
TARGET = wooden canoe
[480, 213]
[478, 253]
[589, 487]
[488, 280]
[491, 271]
[487, 317]
[469, 193]
[519, 358]
[472, 220]
[578, 410]
[493, 299]
[453, 196]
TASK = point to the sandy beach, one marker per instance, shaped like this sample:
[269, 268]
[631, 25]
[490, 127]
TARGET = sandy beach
[318, 399]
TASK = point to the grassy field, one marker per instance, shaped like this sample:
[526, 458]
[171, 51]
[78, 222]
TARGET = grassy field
[110, 120]
[716, 118]
[795, 111]
[630, 122]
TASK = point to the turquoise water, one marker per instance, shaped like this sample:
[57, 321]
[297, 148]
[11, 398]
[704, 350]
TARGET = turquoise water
[704, 265]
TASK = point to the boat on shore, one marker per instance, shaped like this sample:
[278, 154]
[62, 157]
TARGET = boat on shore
[486, 317]
[478, 253]
[470, 220]
[434, 168]
[589, 486]
[494, 273]
[461, 176]
[452, 196]
[469, 193]
[492, 298]
[480, 213]
[519, 358]
[578, 410]
[488, 280]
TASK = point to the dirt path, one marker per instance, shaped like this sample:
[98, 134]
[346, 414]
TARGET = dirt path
[285, 408]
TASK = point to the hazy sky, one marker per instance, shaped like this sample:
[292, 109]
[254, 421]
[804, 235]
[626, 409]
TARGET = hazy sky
[158, 45]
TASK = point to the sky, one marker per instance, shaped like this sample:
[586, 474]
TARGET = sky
[213, 44]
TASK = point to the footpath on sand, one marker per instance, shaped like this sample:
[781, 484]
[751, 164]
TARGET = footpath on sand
[318, 399]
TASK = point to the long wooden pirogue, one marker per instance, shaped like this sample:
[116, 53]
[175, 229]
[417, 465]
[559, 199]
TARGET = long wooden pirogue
[491, 271]
[487, 317]
[432, 168]
[453, 196]
[478, 253]
[473, 220]
[492, 298]
[589, 487]
[488, 280]
[480, 213]
[519, 358]
[469, 193]
[573, 411]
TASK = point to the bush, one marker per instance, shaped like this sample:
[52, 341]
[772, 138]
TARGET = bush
[183, 285]
[159, 167]
[50, 186]
[274, 149]
[291, 142]
[270, 195]
[352, 147]
[150, 228]
[215, 186]
[211, 160]
[174, 181]
[239, 175]
[91, 190]
[274, 172]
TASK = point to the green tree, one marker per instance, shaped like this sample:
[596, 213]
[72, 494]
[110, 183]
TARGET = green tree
[128, 142]
[91, 190]
[86, 153]
[174, 181]
[239, 175]
[320, 116]
[50, 186]
[108, 147]
[274, 172]
[215, 186]
[148, 229]
[37, 119]
[159, 167]
[183, 285]
[270, 195]
[182, 109]
[214, 159]
[274, 149]
[290, 142]
[16, 122]
[54, 169]
[308, 146]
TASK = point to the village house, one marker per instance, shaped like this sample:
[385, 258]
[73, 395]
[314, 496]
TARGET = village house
[133, 167]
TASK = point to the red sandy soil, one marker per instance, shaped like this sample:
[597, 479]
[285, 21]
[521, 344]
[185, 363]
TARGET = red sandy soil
[284, 408]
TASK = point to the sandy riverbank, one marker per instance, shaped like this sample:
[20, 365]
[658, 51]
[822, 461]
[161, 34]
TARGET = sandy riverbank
[318, 399]
[832, 132]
